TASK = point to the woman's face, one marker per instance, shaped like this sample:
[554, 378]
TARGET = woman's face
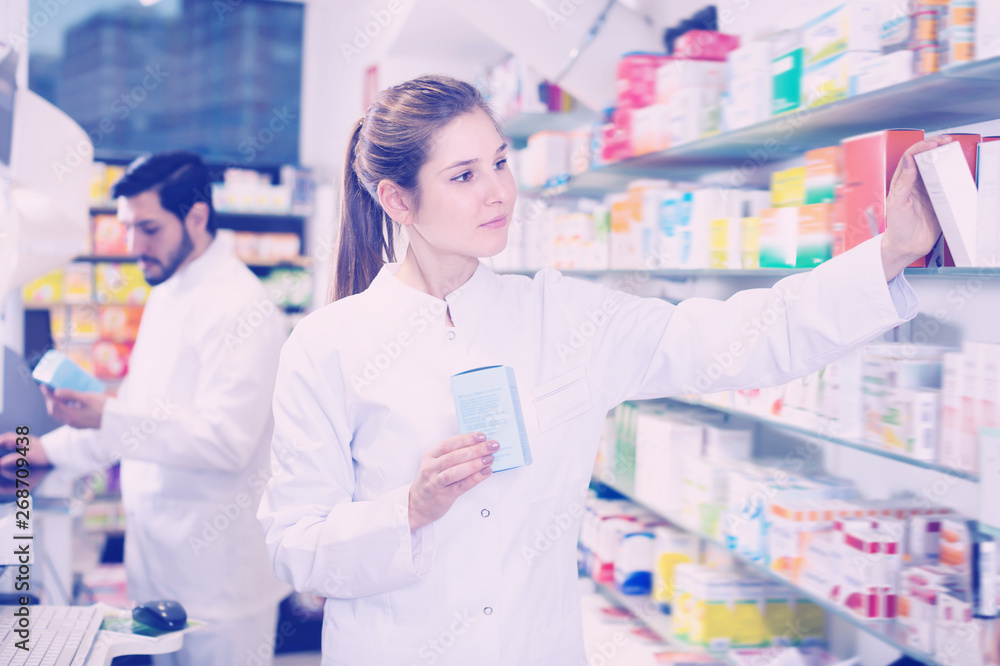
[467, 191]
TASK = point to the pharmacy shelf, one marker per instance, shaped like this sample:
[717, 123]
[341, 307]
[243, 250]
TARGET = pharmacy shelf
[674, 273]
[867, 447]
[890, 632]
[520, 126]
[287, 309]
[961, 95]
[743, 273]
[646, 611]
[226, 215]
[297, 262]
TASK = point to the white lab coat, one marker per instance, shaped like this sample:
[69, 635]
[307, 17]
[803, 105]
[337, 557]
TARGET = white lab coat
[363, 390]
[192, 423]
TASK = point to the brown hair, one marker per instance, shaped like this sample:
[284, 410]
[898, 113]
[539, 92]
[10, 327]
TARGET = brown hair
[390, 143]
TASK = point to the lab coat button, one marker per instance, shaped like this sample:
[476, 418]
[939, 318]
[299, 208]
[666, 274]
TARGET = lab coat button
[485, 513]
[488, 611]
[451, 335]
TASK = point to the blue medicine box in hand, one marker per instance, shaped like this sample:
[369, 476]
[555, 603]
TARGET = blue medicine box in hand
[56, 370]
[486, 401]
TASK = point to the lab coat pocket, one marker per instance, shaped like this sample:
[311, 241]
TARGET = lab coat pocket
[557, 455]
[561, 399]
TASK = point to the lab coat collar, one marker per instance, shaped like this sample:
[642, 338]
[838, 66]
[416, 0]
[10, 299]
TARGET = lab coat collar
[463, 303]
[198, 270]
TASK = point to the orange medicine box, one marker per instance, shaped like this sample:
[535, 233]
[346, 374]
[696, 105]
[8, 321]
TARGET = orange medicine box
[110, 359]
[822, 174]
[870, 160]
[814, 244]
[110, 236]
[120, 323]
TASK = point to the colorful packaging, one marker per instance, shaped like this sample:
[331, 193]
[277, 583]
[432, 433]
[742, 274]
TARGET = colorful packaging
[122, 284]
[870, 562]
[725, 243]
[633, 561]
[910, 422]
[822, 174]
[750, 240]
[636, 79]
[45, 290]
[788, 187]
[853, 26]
[110, 236]
[60, 370]
[650, 129]
[832, 79]
[814, 243]
[110, 359]
[486, 400]
[83, 324]
[870, 160]
[120, 323]
[778, 237]
[952, 388]
[786, 70]
[705, 45]
[671, 548]
[79, 283]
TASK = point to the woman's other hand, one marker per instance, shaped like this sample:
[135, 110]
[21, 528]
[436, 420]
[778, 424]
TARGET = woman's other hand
[912, 228]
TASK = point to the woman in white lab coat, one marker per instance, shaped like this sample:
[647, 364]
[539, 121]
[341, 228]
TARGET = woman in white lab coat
[379, 504]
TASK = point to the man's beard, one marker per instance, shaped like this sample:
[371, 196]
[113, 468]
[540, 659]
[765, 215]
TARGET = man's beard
[174, 261]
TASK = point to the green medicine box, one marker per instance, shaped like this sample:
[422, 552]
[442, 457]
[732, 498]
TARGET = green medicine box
[787, 72]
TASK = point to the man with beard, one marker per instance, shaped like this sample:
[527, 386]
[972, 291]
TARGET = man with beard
[191, 423]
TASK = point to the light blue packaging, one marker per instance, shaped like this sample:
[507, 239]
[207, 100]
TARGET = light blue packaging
[486, 401]
[57, 370]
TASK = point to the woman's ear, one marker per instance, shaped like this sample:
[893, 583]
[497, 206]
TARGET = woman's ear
[396, 202]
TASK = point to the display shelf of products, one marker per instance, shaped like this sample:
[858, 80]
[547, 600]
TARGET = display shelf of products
[224, 216]
[295, 263]
[971, 92]
[594, 183]
[646, 611]
[889, 631]
[867, 447]
[520, 126]
[740, 274]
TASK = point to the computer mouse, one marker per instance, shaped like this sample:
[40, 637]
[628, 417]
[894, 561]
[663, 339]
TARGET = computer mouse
[165, 615]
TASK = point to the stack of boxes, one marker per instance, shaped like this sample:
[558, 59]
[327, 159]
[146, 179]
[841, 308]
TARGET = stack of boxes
[94, 312]
[836, 46]
[902, 398]
[720, 610]
[749, 83]
[787, 57]
[870, 160]
[797, 231]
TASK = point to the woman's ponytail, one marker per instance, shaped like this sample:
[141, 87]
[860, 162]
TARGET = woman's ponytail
[391, 143]
[366, 238]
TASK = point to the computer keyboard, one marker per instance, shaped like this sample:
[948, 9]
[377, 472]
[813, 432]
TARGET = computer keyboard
[60, 635]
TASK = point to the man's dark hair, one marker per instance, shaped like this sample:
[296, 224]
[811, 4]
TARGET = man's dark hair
[180, 178]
